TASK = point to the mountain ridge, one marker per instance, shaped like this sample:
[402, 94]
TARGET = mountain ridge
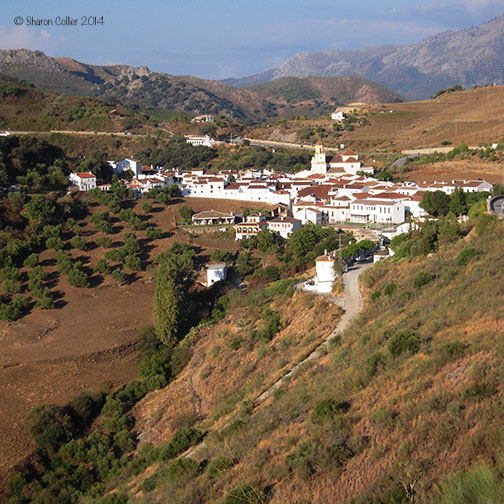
[141, 88]
[471, 56]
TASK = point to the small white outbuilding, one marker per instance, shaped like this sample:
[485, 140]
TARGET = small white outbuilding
[216, 273]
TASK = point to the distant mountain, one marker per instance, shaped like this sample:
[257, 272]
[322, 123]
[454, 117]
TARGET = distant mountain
[473, 56]
[143, 89]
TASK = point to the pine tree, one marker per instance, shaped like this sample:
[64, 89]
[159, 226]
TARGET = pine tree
[458, 202]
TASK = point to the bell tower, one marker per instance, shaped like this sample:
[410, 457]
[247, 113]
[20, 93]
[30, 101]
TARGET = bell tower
[318, 162]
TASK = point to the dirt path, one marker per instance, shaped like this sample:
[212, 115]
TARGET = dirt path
[352, 304]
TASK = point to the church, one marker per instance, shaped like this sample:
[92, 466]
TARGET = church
[347, 162]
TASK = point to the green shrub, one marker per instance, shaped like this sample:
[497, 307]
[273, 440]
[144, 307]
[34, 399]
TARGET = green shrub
[245, 494]
[452, 351]
[218, 465]
[55, 243]
[104, 241]
[154, 364]
[182, 470]
[404, 341]
[423, 278]
[78, 242]
[150, 484]
[181, 441]
[390, 288]
[31, 261]
[180, 357]
[329, 408]
[375, 362]
[146, 206]
[236, 343]
[480, 485]
[118, 276]
[77, 277]
[153, 232]
[480, 391]
[102, 266]
[466, 255]
[45, 301]
[133, 262]
[104, 227]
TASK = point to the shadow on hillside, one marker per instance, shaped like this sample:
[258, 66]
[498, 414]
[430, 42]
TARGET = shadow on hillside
[59, 302]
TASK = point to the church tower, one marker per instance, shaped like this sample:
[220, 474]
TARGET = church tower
[318, 161]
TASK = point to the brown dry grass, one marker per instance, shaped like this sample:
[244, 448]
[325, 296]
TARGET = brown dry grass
[216, 370]
[472, 117]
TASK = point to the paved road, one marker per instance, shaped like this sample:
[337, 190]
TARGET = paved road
[286, 145]
[79, 133]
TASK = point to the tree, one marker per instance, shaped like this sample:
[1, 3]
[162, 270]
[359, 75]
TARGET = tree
[173, 287]
[458, 202]
[186, 212]
[97, 164]
[39, 209]
[269, 242]
[208, 129]
[436, 203]
[167, 298]
[246, 263]
[449, 229]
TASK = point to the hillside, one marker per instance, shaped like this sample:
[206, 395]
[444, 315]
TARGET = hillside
[405, 405]
[408, 397]
[147, 90]
[469, 57]
[319, 95]
[25, 108]
[473, 117]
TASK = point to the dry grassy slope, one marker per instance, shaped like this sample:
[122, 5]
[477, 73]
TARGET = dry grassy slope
[218, 376]
[473, 116]
[414, 418]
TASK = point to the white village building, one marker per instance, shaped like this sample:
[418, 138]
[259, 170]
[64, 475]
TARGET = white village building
[216, 273]
[284, 226]
[133, 165]
[205, 140]
[377, 211]
[84, 181]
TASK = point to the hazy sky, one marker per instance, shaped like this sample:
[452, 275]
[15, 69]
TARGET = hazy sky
[220, 38]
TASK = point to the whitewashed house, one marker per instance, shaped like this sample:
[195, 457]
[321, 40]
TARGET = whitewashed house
[338, 115]
[129, 164]
[252, 225]
[473, 185]
[308, 214]
[326, 275]
[84, 181]
[284, 226]
[377, 211]
[204, 140]
[216, 273]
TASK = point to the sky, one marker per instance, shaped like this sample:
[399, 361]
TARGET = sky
[221, 38]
